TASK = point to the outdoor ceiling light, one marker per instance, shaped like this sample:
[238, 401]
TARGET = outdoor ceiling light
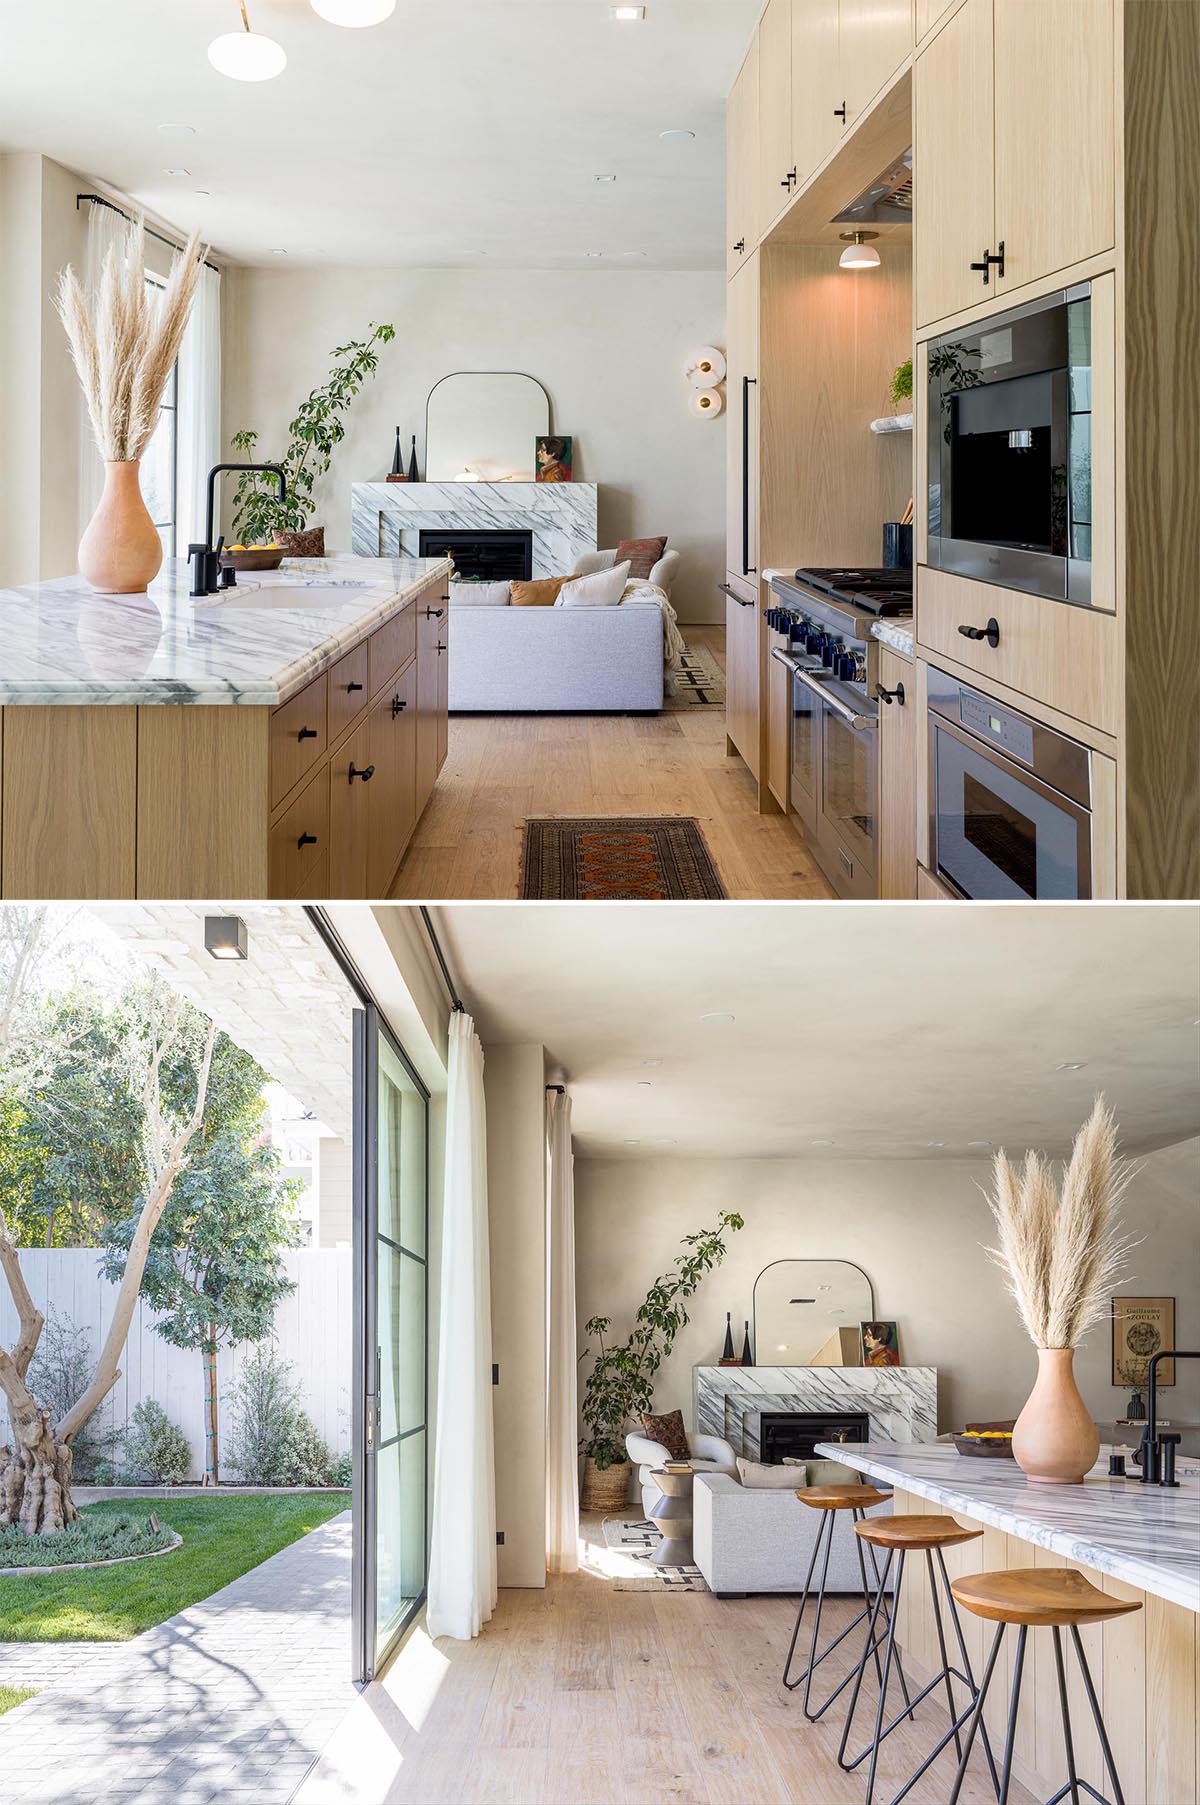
[225, 937]
[858, 254]
[246, 55]
[354, 12]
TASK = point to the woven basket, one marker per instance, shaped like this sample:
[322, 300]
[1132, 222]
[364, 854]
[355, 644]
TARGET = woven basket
[310, 543]
[606, 1489]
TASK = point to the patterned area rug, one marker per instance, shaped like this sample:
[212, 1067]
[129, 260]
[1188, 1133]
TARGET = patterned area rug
[700, 680]
[638, 1538]
[623, 859]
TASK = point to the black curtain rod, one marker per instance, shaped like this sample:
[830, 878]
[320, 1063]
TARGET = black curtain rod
[560, 1088]
[455, 999]
[98, 200]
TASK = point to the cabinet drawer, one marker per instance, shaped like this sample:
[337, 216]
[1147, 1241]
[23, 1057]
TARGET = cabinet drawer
[431, 608]
[299, 737]
[299, 845]
[351, 775]
[391, 646]
[1050, 651]
[348, 697]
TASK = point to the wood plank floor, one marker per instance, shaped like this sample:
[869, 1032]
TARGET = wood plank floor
[503, 768]
[584, 1695]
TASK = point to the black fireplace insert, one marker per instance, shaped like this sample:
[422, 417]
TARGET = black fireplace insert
[794, 1434]
[491, 557]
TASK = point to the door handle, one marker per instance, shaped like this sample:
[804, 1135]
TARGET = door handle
[740, 245]
[841, 709]
[366, 774]
[748, 570]
[351, 687]
[398, 706]
[990, 258]
[307, 733]
[734, 596]
[890, 695]
[306, 840]
[840, 112]
[434, 613]
[991, 632]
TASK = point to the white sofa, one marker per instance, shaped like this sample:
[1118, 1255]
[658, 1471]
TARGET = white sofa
[662, 574]
[751, 1540]
[710, 1454]
[555, 660]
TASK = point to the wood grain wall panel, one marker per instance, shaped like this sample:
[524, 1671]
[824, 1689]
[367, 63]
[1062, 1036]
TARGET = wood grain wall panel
[1171, 1700]
[70, 779]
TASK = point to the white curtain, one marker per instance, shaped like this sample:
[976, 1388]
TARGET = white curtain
[462, 1554]
[199, 418]
[106, 229]
[562, 1430]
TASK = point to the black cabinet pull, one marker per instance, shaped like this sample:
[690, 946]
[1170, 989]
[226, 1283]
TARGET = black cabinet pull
[398, 706]
[307, 733]
[434, 613]
[991, 632]
[440, 647]
[786, 182]
[306, 840]
[990, 258]
[740, 245]
[734, 596]
[890, 695]
[791, 178]
[840, 112]
[351, 687]
[446, 597]
[366, 774]
[748, 382]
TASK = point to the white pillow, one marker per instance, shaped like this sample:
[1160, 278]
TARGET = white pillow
[603, 589]
[480, 595]
[759, 1477]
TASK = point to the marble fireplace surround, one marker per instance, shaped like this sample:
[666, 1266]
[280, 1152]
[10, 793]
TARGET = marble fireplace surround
[900, 1401]
[386, 518]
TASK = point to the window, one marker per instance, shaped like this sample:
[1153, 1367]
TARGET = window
[160, 460]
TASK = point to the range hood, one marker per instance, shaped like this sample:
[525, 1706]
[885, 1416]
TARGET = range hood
[887, 201]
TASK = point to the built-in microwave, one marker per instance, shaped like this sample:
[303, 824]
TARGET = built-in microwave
[1009, 455]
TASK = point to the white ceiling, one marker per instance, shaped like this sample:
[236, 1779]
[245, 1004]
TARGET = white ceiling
[456, 127]
[878, 1027]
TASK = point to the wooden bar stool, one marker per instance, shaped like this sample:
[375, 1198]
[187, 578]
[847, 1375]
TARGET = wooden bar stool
[902, 1536]
[1040, 1598]
[830, 1499]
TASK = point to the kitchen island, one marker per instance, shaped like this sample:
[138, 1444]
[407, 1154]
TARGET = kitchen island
[1136, 1542]
[279, 738]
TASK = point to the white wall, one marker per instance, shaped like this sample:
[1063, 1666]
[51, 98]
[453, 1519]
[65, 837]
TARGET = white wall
[610, 346]
[917, 1227]
[313, 1328]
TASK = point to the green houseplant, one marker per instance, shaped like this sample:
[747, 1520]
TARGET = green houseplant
[259, 517]
[620, 1386]
[902, 381]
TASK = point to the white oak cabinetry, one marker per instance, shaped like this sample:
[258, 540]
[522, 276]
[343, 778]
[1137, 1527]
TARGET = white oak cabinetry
[776, 171]
[952, 162]
[816, 85]
[778, 737]
[896, 858]
[741, 435]
[741, 164]
[742, 641]
[875, 36]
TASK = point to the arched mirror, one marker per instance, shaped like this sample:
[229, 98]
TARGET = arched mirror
[807, 1312]
[482, 426]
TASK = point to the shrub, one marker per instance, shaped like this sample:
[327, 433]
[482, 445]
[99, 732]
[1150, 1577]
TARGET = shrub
[58, 1375]
[342, 1471]
[272, 1439]
[91, 1537]
[156, 1451]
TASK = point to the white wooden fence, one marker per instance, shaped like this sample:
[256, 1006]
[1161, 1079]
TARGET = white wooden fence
[312, 1330]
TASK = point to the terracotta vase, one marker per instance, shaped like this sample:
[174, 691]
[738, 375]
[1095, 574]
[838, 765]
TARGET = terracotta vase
[120, 551]
[1055, 1441]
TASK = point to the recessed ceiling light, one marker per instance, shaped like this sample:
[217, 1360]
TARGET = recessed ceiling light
[717, 1020]
[593, 253]
[203, 193]
[604, 178]
[177, 172]
[633, 1143]
[980, 1143]
[649, 1061]
[183, 131]
[663, 1140]
[627, 15]
[278, 251]
[633, 253]
[674, 136]
[644, 1084]
[1070, 1065]
[822, 1143]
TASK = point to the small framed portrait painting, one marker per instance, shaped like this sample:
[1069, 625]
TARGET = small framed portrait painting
[554, 457]
[880, 1343]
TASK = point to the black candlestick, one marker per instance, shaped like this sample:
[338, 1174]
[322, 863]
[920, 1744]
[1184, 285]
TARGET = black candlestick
[413, 473]
[747, 1356]
[397, 458]
[728, 1357]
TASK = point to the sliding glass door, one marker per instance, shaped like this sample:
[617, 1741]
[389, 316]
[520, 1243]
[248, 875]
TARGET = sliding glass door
[391, 1298]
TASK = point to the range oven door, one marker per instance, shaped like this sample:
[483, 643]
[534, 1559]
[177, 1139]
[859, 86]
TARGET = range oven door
[998, 832]
[834, 779]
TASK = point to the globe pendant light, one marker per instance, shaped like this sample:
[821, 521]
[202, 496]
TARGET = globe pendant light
[858, 254]
[246, 55]
[354, 12]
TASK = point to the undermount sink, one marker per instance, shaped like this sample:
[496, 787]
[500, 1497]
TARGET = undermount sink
[288, 596]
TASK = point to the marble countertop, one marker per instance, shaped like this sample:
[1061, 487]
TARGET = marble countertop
[1143, 1534]
[896, 634]
[254, 645]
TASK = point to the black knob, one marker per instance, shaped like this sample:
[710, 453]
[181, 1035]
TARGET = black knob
[829, 652]
[890, 695]
[991, 632]
[367, 774]
[307, 840]
[786, 182]
[840, 112]
[440, 648]
[307, 733]
[398, 706]
[814, 641]
[351, 687]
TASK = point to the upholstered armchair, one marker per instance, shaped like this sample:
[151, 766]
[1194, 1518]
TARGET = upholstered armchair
[662, 573]
[710, 1454]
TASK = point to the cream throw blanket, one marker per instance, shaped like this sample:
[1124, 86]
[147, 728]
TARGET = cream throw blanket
[643, 594]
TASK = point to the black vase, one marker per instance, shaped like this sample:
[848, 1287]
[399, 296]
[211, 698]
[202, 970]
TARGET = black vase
[727, 1353]
[413, 473]
[397, 458]
[747, 1356]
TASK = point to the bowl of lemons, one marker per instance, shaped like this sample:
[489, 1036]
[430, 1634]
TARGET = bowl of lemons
[987, 1440]
[253, 557]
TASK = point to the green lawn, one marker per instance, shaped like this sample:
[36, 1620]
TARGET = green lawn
[222, 1538]
[14, 1695]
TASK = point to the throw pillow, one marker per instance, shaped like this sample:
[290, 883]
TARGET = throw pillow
[479, 595]
[668, 1430]
[543, 593]
[832, 1472]
[643, 554]
[603, 589]
[757, 1476]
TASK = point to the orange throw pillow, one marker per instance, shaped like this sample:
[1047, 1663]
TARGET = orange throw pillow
[643, 555]
[540, 594]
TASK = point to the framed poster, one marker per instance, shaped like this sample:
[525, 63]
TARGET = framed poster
[1141, 1326]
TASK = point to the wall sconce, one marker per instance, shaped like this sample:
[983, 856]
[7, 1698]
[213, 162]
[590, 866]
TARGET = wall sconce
[858, 254]
[225, 937]
[706, 371]
[707, 401]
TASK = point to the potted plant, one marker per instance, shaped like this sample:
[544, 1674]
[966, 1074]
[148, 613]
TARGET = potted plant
[902, 381]
[1062, 1252]
[1132, 1374]
[620, 1386]
[259, 517]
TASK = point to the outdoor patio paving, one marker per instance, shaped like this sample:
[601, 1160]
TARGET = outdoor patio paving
[233, 1699]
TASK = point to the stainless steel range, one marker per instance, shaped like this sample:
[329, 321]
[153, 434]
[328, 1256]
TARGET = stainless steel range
[827, 616]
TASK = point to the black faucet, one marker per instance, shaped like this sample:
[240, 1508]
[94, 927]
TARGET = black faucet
[208, 574]
[1158, 1451]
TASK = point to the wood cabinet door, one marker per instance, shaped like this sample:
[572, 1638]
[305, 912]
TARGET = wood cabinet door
[299, 736]
[392, 791]
[351, 775]
[779, 724]
[443, 696]
[1055, 143]
[816, 84]
[348, 698]
[298, 844]
[953, 164]
[741, 671]
[774, 110]
[897, 862]
[876, 36]
[741, 437]
[741, 164]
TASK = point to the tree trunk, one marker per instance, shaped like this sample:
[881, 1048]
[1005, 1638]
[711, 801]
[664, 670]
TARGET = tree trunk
[35, 1479]
[211, 1450]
